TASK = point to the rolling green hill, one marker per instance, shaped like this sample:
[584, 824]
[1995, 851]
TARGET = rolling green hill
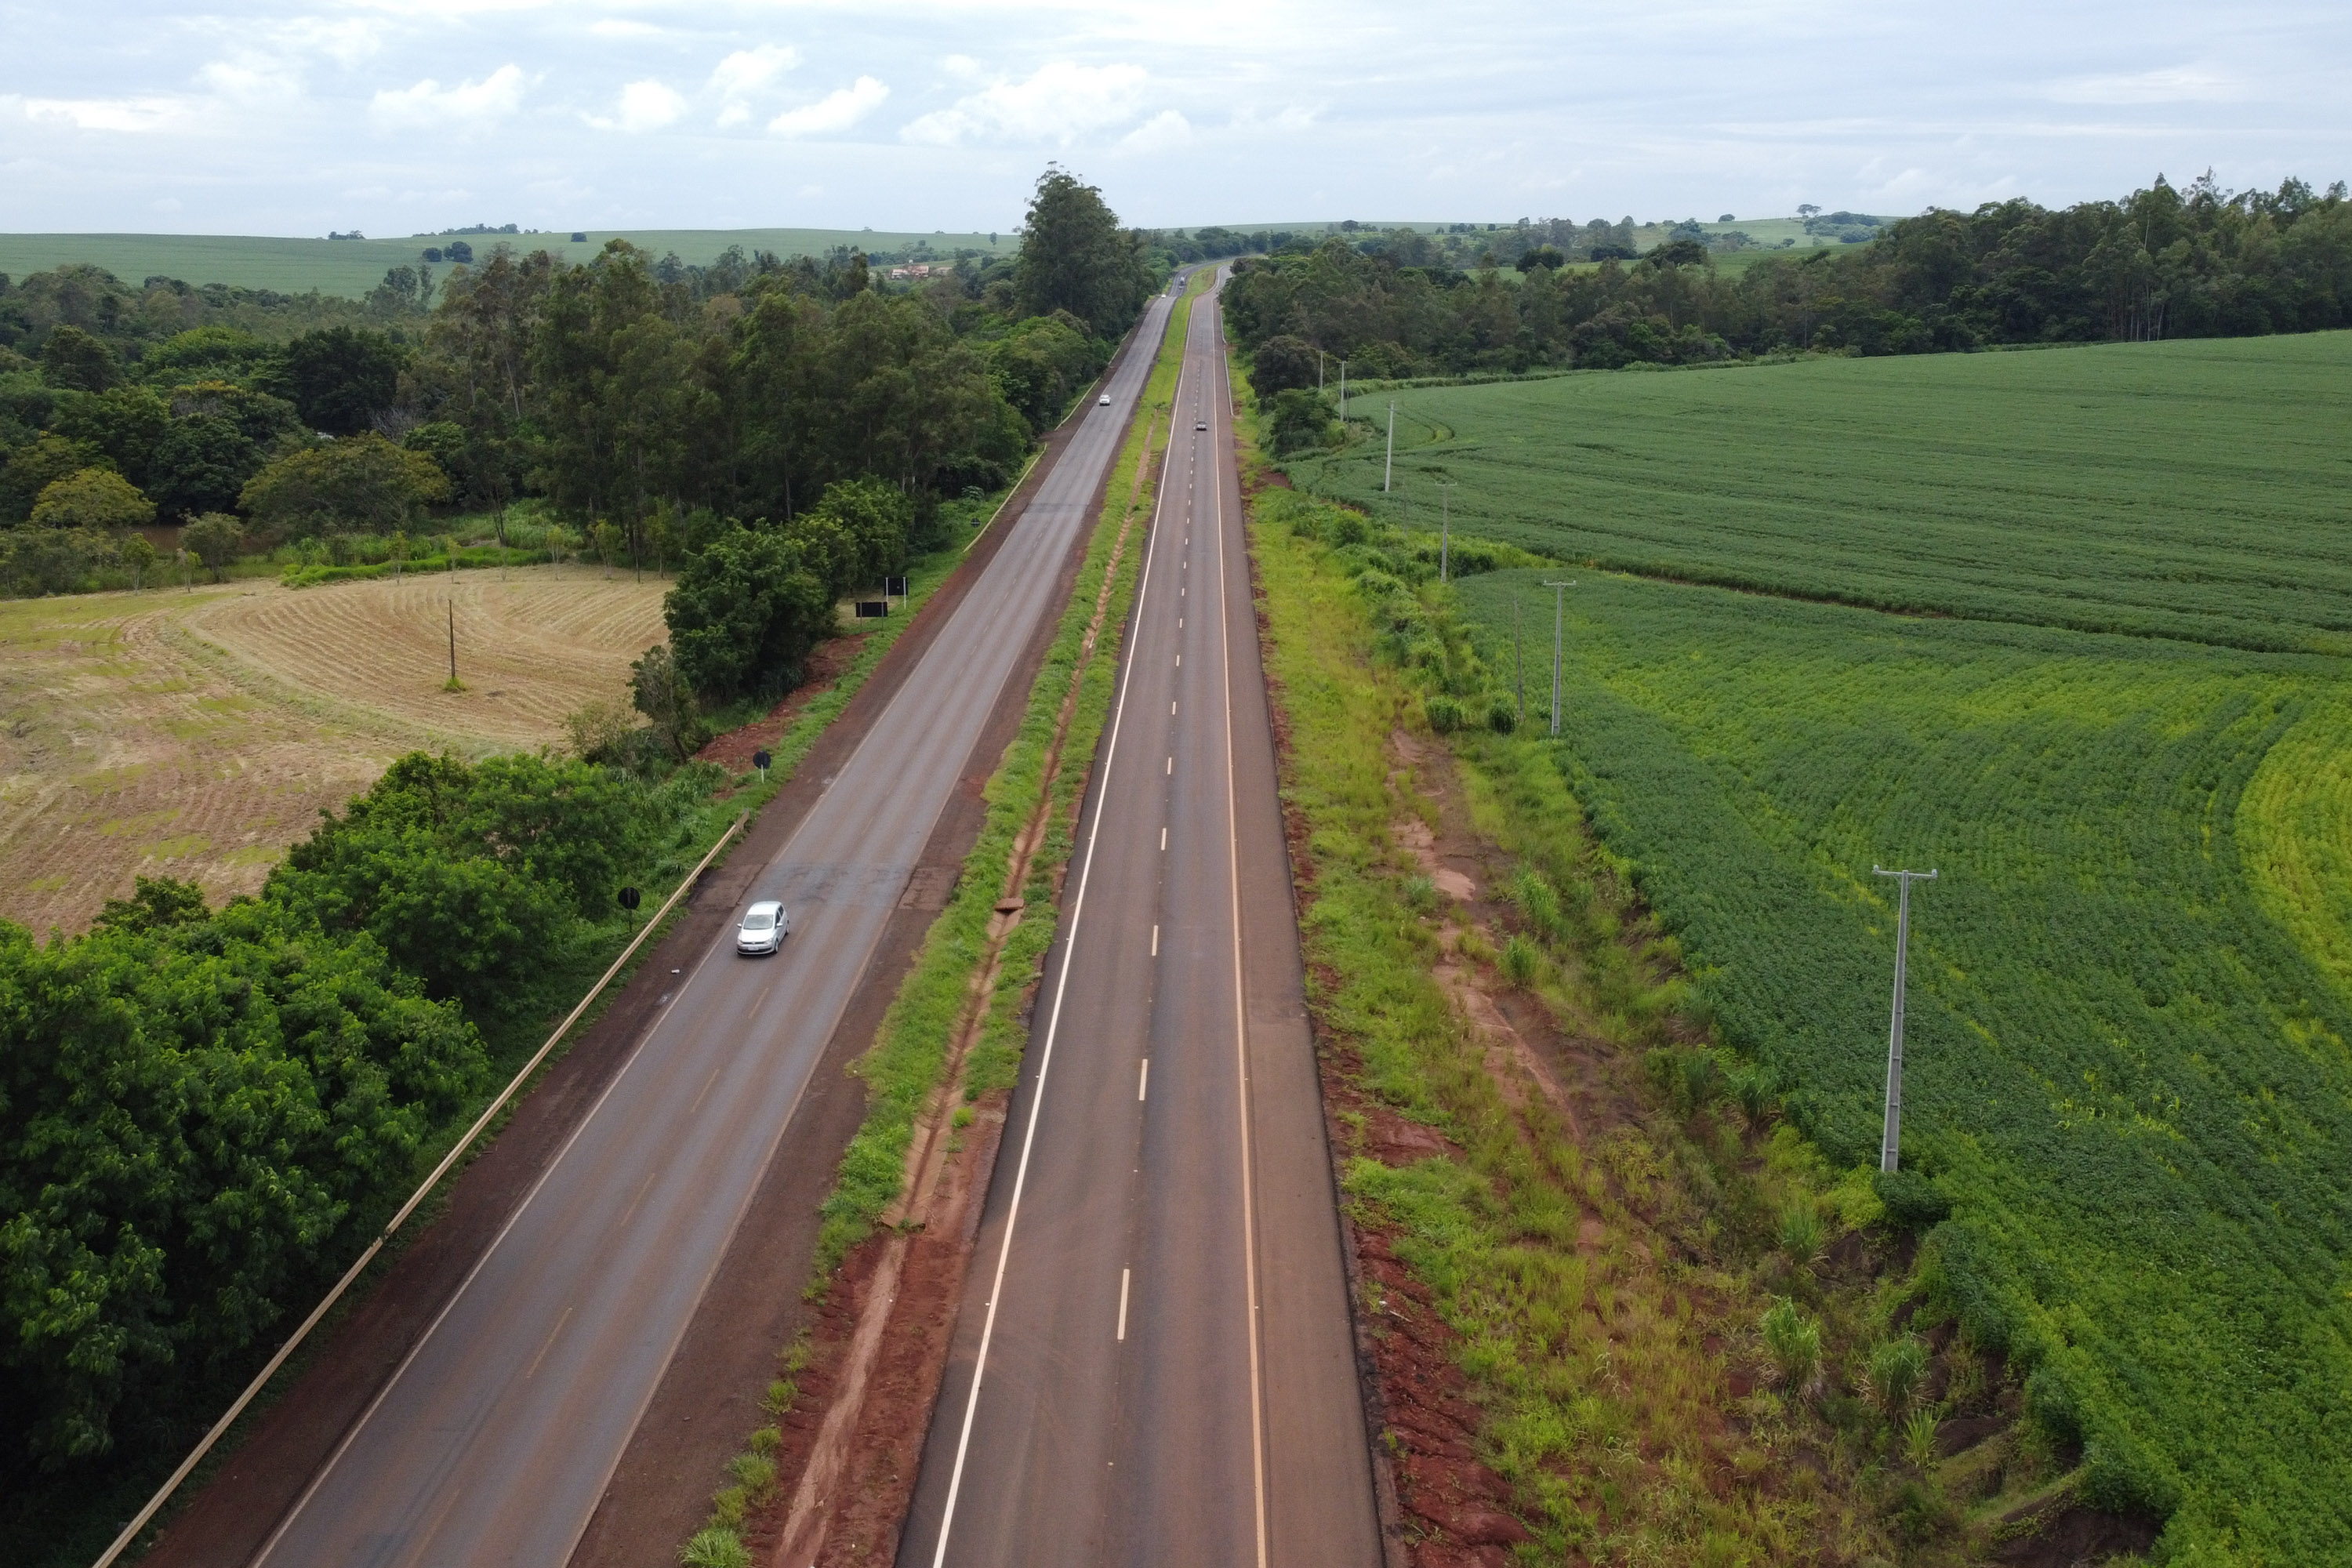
[352, 267]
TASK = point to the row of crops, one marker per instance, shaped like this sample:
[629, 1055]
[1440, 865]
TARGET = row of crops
[2191, 490]
[2129, 1072]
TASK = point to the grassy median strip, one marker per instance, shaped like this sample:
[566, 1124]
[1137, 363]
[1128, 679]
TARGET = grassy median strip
[1045, 769]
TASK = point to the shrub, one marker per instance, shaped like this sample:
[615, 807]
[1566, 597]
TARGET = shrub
[1800, 1233]
[716, 1547]
[744, 612]
[1503, 716]
[213, 539]
[1896, 1368]
[1913, 1201]
[1445, 714]
[1795, 1341]
[95, 498]
[1522, 961]
[1919, 1439]
[364, 483]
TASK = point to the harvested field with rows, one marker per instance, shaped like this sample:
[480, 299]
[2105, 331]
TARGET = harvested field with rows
[195, 735]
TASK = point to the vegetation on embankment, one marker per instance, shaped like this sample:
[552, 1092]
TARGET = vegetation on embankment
[2126, 1081]
[1038, 783]
[1680, 1332]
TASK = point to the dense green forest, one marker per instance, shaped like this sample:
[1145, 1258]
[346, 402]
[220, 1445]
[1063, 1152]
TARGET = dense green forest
[622, 390]
[2198, 261]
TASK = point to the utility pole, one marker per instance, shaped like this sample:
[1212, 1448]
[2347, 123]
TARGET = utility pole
[1388, 471]
[452, 685]
[1343, 392]
[1519, 656]
[1319, 373]
[1556, 610]
[1890, 1141]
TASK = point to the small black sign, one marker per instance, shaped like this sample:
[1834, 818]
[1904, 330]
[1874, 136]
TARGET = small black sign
[872, 609]
[760, 760]
[631, 898]
[896, 586]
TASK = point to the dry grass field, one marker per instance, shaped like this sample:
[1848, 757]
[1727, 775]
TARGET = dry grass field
[195, 735]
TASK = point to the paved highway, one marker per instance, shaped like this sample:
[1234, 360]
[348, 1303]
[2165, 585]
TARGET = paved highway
[1153, 1360]
[492, 1441]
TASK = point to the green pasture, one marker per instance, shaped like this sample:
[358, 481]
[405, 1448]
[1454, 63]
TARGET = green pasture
[352, 267]
[2127, 1029]
[2116, 718]
[2185, 489]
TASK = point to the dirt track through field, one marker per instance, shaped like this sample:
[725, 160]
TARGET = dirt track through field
[195, 735]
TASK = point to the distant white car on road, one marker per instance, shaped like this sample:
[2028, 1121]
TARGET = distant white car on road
[1104, 401]
[765, 926]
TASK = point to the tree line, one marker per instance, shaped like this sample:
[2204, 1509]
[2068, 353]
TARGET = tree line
[621, 390]
[2197, 262]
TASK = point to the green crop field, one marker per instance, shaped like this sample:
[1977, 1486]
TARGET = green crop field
[2190, 489]
[352, 267]
[2131, 986]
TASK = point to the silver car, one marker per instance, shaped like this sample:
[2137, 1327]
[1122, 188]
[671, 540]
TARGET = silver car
[765, 926]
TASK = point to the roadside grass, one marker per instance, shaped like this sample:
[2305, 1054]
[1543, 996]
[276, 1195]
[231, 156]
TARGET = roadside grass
[1042, 777]
[1680, 1325]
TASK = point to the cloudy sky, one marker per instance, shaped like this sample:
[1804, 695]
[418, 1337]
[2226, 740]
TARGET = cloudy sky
[413, 115]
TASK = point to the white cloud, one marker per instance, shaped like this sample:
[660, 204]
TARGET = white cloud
[430, 104]
[748, 70]
[2180, 84]
[833, 112]
[645, 106]
[1060, 102]
[745, 72]
[125, 114]
[624, 27]
[1162, 133]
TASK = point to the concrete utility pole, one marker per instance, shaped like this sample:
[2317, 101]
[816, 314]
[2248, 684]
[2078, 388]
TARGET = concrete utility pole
[1388, 471]
[1319, 373]
[1558, 605]
[1343, 392]
[1890, 1141]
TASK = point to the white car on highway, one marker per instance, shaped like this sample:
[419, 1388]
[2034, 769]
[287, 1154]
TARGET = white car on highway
[1104, 401]
[765, 926]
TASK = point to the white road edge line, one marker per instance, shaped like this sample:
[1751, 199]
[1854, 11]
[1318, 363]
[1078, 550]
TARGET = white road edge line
[1241, 1006]
[1052, 1028]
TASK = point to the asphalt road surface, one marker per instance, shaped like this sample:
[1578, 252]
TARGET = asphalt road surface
[493, 1441]
[1153, 1362]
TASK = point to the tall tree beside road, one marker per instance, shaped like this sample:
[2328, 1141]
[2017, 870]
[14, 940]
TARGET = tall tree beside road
[1076, 258]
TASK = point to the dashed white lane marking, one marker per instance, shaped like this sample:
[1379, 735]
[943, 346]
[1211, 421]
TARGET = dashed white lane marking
[547, 1346]
[1143, 1079]
[1172, 767]
[1155, 942]
[1122, 1304]
[1163, 841]
[705, 1089]
[1171, 709]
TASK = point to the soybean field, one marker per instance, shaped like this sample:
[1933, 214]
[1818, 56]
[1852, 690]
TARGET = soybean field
[2196, 490]
[2117, 720]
